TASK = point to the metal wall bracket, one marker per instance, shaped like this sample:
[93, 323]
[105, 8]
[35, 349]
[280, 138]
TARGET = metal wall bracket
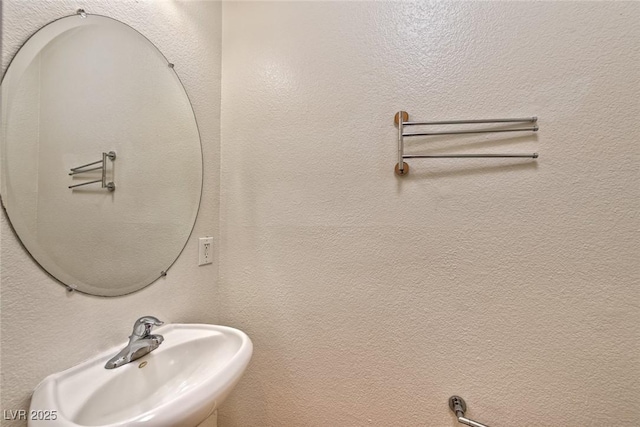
[402, 120]
[459, 407]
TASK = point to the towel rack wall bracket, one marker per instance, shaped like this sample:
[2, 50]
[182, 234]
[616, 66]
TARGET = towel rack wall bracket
[403, 171]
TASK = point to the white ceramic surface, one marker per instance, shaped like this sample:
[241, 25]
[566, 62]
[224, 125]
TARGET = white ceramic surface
[182, 383]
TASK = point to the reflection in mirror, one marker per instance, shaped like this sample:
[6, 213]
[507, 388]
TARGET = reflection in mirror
[78, 88]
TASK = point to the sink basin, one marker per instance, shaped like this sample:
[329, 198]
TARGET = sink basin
[180, 383]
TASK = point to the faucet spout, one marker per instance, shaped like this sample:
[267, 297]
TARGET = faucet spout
[141, 342]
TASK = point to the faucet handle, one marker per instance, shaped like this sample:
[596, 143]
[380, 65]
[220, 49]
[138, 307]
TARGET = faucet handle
[143, 326]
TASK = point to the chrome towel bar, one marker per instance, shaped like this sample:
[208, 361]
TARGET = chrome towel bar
[402, 120]
[459, 407]
[111, 155]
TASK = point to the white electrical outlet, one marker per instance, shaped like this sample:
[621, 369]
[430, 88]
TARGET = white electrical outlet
[205, 250]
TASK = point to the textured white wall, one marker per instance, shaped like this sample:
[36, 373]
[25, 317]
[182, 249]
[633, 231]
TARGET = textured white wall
[370, 298]
[44, 329]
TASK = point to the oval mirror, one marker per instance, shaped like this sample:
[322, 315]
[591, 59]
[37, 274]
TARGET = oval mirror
[101, 157]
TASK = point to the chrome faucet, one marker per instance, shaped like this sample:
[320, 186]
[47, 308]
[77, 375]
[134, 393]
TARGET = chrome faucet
[141, 342]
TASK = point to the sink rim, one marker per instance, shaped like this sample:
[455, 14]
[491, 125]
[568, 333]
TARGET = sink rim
[205, 396]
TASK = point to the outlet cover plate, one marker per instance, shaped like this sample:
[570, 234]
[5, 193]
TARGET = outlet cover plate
[205, 250]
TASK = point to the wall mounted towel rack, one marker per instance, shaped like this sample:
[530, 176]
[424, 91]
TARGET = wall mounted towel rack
[459, 407]
[111, 155]
[402, 120]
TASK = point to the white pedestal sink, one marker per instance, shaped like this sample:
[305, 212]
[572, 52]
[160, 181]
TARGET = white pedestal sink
[179, 384]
